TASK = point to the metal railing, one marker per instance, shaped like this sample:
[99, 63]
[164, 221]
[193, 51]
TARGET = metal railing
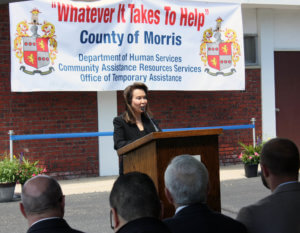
[13, 137]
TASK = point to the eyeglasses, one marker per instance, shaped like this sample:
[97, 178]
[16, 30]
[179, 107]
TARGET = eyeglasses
[111, 221]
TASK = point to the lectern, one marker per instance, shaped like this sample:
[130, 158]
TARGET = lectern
[152, 153]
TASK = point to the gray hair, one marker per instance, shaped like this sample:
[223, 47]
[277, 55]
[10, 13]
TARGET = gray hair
[187, 179]
[47, 195]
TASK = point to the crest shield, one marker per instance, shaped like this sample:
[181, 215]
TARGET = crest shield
[219, 55]
[36, 51]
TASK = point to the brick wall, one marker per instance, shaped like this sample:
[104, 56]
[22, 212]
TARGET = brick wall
[43, 113]
[62, 112]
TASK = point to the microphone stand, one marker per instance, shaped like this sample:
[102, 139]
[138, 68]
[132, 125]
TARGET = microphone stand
[154, 125]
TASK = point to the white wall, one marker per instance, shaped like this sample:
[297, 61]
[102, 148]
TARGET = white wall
[249, 21]
[286, 30]
[107, 110]
[266, 44]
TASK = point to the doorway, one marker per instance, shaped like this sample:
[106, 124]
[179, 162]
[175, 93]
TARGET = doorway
[287, 95]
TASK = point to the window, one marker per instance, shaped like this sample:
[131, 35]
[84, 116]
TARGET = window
[250, 50]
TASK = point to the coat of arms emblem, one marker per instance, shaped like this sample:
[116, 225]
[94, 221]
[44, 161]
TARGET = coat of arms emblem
[34, 50]
[219, 54]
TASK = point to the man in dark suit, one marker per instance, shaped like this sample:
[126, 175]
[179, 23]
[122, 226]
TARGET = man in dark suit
[280, 211]
[43, 206]
[186, 185]
[135, 205]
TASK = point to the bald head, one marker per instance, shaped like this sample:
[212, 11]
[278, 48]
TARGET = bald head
[42, 195]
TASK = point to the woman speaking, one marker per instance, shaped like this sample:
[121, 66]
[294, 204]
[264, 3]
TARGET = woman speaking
[135, 122]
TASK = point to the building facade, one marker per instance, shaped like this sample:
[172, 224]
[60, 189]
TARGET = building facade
[272, 30]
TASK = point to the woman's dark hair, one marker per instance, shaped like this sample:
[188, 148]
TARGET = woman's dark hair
[129, 115]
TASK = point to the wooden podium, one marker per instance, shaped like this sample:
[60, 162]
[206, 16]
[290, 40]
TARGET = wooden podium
[152, 153]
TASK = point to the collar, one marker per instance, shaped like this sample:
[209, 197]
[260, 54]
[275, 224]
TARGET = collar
[44, 219]
[141, 224]
[180, 208]
[285, 183]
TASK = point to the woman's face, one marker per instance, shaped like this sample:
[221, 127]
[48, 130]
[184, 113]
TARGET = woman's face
[139, 100]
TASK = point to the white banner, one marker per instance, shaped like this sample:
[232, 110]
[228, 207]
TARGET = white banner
[107, 45]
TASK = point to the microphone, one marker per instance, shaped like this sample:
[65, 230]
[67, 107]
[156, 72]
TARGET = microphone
[154, 125]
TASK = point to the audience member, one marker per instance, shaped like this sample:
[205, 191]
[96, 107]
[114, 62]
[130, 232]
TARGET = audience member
[135, 205]
[186, 187]
[43, 206]
[280, 211]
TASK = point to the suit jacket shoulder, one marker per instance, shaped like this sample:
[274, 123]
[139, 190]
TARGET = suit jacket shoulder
[199, 218]
[144, 225]
[270, 213]
[57, 225]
